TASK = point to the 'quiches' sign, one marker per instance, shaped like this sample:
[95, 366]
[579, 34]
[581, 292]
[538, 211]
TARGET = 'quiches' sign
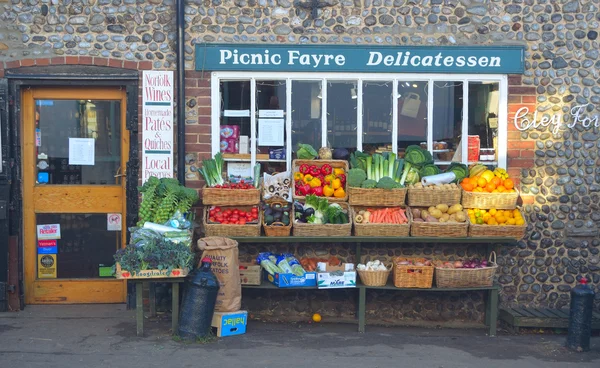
[371, 59]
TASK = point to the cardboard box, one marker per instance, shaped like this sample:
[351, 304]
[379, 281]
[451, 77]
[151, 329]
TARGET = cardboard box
[230, 323]
[336, 277]
[289, 280]
[250, 274]
[244, 145]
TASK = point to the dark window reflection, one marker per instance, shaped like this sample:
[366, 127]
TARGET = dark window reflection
[306, 113]
[447, 119]
[483, 117]
[412, 113]
[377, 116]
[341, 114]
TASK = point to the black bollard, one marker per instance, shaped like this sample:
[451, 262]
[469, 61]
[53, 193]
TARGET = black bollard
[198, 306]
[580, 317]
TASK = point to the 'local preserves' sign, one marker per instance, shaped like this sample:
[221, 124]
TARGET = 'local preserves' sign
[157, 124]
[373, 59]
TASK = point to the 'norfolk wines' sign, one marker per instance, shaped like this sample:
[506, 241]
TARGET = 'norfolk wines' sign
[364, 59]
[157, 124]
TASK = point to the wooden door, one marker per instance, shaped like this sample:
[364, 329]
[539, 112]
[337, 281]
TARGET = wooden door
[75, 150]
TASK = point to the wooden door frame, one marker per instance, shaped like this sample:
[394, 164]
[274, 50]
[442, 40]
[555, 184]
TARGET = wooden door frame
[23, 78]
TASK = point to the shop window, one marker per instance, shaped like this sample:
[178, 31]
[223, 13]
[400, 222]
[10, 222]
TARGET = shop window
[462, 118]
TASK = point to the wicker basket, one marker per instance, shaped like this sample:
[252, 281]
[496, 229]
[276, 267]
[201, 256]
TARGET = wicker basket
[211, 229]
[397, 230]
[440, 229]
[421, 197]
[507, 231]
[336, 164]
[409, 276]
[230, 197]
[484, 200]
[280, 229]
[376, 197]
[374, 278]
[300, 229]
[466, 277]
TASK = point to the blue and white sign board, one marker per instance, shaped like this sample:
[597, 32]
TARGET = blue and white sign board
[363, 59]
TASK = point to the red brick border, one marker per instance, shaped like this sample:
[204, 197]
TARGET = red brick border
[75, 60]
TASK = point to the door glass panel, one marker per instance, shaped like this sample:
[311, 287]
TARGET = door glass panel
[341, 115]
[95, 159]
[377, 116]
[412, 114]
[86, 246]
[306, 113]
[447, 120]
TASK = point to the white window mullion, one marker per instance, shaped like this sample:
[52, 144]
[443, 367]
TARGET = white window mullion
[323, 114]
[359, 115]
[465, 123]
[215, 115]
[252, 123]
[395, 116]
[430, 115]
[502, 122]
[288, 124]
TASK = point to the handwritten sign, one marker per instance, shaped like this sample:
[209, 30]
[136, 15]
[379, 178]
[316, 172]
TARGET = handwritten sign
[555, 121]
[157, 124]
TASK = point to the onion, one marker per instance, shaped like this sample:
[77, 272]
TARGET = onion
[458, 264]
[484, 263]
[427, 263]
[403, 263]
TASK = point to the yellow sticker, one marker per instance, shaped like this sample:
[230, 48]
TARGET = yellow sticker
[46, 266]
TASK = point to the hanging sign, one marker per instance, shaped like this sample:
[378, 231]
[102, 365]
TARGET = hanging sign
[157, 124]
[48, 231]
[353, 58]
[48, 246]
[555, 121]
[46, 266]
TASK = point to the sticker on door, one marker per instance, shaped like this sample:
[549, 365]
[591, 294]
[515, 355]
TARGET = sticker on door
[113, 222]
[46, 266]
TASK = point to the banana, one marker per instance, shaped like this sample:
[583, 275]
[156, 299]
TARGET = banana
[501, 173]
[476, 170]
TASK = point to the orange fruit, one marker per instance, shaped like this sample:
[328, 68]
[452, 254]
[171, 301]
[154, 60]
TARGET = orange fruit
[481, 182]
[501, 189]
[508, 184]
[496, 180]
[467, 186]
[316, 317]
[490, 187]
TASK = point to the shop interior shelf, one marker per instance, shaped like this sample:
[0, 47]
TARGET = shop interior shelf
[370, 239]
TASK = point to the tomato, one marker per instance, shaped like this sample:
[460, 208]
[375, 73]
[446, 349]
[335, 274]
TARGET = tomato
[254, 210]
[217, 209]
[235, 212]
[211, 219]
[225, 222]
[242, 222]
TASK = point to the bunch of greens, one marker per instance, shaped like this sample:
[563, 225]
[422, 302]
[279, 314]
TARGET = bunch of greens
[150, 251]
[415, 159]
[306, 152]
[460, 170]
[377, 170]
[212, 170]
[321, 212]
[161, 198]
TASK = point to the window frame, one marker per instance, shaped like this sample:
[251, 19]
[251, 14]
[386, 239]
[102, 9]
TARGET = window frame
[394, 78]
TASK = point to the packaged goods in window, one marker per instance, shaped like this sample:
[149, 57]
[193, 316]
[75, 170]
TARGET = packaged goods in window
[230, 131]
[230, 145]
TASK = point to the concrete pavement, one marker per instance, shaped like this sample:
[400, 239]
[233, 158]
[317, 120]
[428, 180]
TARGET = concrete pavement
[90, 336]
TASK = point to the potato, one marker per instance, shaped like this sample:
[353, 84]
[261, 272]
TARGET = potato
[431, 209]
[453, 217]
[435, 213]
[455, 208]
[436, 187]
[424, 214]
[416, 212]
[445, 217]
[442, 207]
[418, 186]
[418, 220]
[460, 217]
[431, 219]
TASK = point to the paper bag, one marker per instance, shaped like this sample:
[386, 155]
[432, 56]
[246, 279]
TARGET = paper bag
[412, 103]
[225, 265]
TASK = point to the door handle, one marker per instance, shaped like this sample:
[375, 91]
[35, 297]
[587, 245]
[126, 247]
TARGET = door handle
[117, 175]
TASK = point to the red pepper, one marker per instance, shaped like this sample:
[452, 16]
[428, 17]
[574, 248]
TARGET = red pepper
[342, 179]
[326, 169]
[304, 190]
[304, 169]
[314, 170]
[318, 191]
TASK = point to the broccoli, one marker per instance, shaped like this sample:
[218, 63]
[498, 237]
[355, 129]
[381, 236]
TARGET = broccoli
[429, 169]
[369, 184]
[356, 177]
[387, 183]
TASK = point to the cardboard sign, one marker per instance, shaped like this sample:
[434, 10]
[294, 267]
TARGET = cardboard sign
[46, 266]
[48, 231]
[114, 222]
[47, 246]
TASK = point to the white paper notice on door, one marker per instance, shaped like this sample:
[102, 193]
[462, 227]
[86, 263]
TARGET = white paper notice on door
[81, 151]
[270, 132]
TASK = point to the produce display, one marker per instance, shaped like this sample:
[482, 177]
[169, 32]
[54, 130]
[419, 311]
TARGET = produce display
[276, 214]
[277, 185]
[496, 217]
[372, 266]
[450, 186]
[368, 171]
[232, 216]
[468, 263]
[440, 213]
[483, 180]
[282, 263]
[394, 215]
[414, 262]
[318, 210]
[212, 172]
[162, 198]
[310, 264]
[321, 180]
